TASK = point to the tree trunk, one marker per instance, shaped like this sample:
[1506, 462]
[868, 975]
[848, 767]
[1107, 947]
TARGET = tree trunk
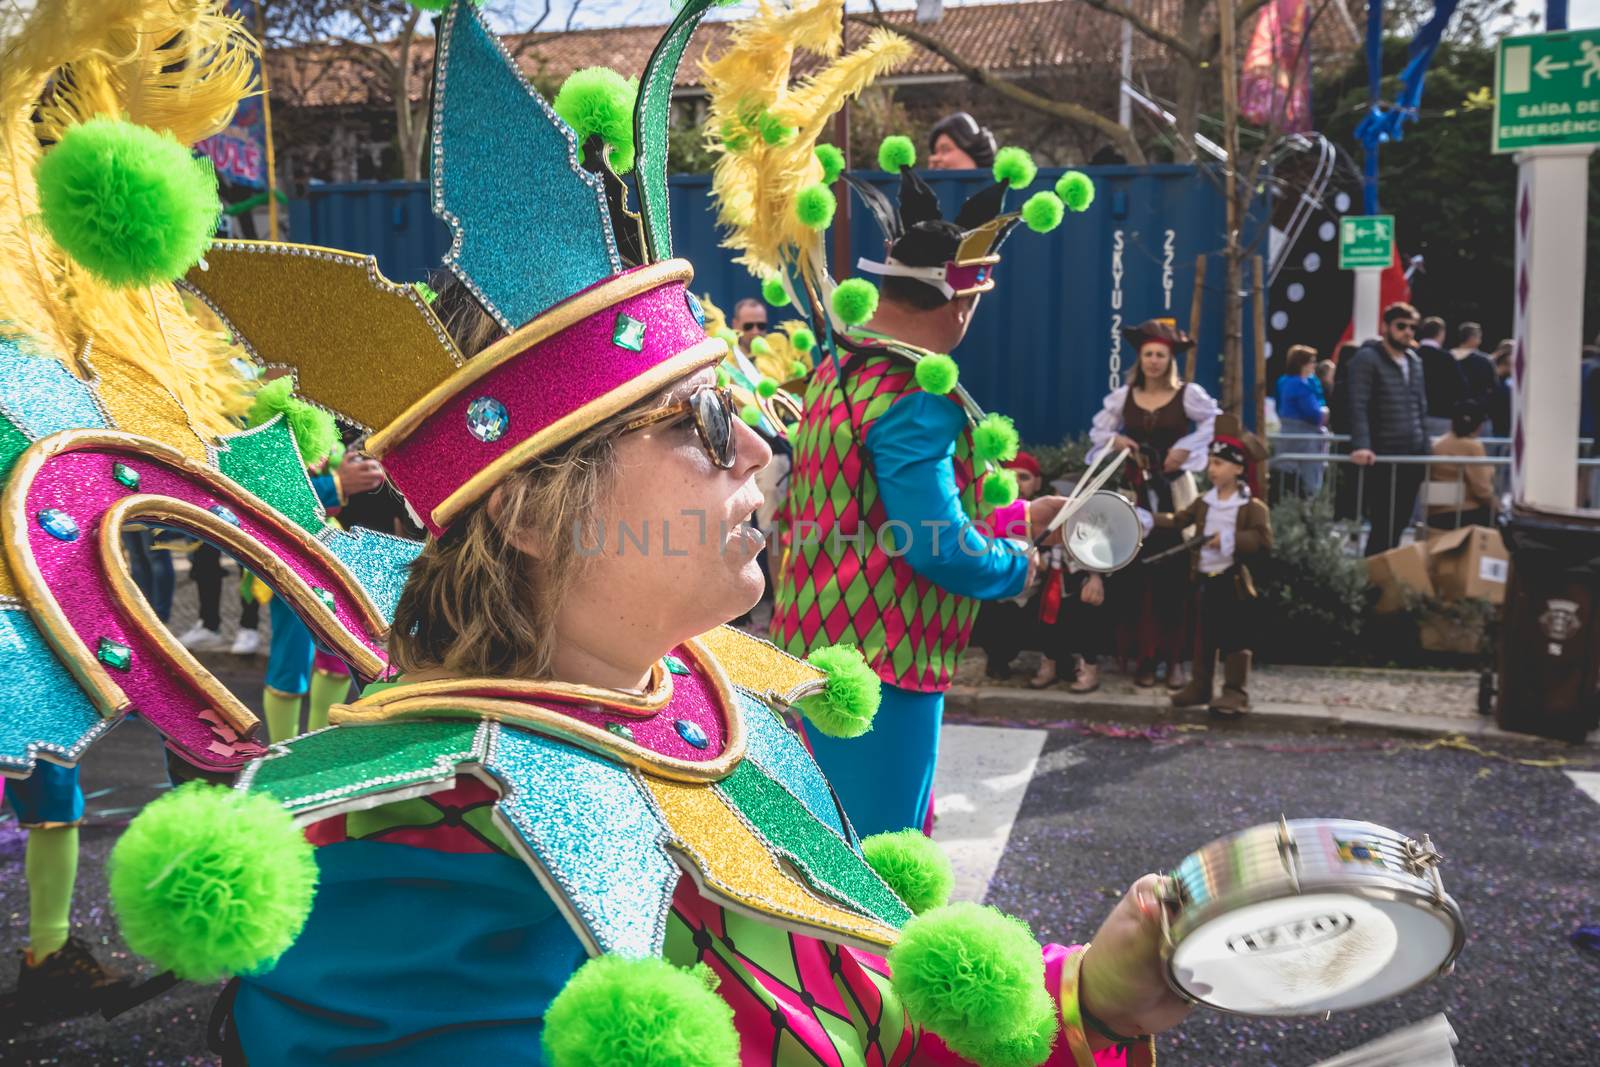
[1234, 192]
[1188, 88]
[410, 124]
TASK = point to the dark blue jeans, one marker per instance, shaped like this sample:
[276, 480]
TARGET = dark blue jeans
[152, 570]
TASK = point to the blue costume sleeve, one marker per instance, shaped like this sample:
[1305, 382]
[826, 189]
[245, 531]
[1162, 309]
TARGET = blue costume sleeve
[911, 447]
[327, 490]
[412, 958]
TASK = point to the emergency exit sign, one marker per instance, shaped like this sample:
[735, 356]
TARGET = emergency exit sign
[1547, 90]
[1366, 241]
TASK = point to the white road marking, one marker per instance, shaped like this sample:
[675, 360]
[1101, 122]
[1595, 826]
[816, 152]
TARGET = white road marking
[1588, 781]
[983, 774]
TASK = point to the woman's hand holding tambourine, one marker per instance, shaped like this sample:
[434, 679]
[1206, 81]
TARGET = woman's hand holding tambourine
[1123, 981]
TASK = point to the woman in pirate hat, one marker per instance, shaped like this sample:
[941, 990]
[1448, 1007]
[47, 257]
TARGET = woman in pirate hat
[1165, 423]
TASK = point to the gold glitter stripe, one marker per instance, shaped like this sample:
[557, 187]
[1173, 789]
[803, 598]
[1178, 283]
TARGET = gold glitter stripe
[735, 866]
[639, 705]
[762, 667]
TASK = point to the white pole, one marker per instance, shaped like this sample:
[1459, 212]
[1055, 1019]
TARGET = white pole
[1552, 204]
[1124, 105]
[1369, 291]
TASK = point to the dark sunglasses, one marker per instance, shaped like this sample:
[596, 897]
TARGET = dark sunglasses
[747, 327]
[712, 411]
[1406, 326]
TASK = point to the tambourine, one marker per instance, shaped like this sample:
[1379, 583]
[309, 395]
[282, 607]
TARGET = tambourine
[1308, 917]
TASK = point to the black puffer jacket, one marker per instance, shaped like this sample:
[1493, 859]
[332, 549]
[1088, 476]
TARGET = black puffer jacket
[1386, 409]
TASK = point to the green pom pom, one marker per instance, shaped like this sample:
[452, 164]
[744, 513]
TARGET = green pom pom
[832, 161]
[766, 387]
[937, 374]
[1043, 211]
[1014, 166]
[616, 1011]
[773, 292]
[814, 206]
[131, 205]
[1028, 1049]
[336, 454]
[733, 138]
[773, 129]
[426, 291]
[728, 337]
[209, 882]
[722, 378]
[1000, 487]
[797, 369]
[802, 339]
[598, 100]
[975, 977]
[995, 439]
[760, 346]
[1075, 189]
[850, 694]
[855, 301]
[751, 415]
[315, 432]
[915, 867]
[895, 152]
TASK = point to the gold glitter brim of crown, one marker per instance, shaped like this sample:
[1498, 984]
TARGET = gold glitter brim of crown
[360, 345]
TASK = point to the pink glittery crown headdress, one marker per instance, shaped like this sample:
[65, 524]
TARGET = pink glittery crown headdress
[599, 316]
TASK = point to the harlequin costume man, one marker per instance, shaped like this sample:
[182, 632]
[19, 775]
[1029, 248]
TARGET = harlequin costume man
[889, 503]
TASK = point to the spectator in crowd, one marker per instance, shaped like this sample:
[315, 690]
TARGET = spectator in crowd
[1589, 423]
[1441, 376]
[1388, 401]
[749, 321]
[1477, 369]
[205, 567]
[1338, 392]
[1326, 370]
[1500, 401]
[957, 142]
[1461, 494]
[1005, 628]
[1165, 424]
[1303, 413]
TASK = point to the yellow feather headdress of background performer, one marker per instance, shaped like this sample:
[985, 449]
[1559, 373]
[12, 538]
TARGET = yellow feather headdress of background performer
[178, 66]
[765, 132]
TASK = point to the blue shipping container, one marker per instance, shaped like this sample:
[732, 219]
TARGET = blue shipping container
[1043, 347]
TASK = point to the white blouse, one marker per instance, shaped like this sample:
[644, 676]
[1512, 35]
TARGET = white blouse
[1197, 406]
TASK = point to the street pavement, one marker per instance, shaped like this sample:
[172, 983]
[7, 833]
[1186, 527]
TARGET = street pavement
[1053, 824]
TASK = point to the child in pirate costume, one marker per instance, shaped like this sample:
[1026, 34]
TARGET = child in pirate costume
[1233, 530]
[571, 826]
[894, 465]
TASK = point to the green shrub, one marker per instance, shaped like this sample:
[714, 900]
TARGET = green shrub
[1314, 597]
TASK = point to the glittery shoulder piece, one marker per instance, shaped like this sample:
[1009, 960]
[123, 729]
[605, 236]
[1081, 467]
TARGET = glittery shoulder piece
[41, 397]
[380, 562]
[360, 345]
[760, 666]
[351, 768]
[266, 461]
[530, 226]
[43, 713]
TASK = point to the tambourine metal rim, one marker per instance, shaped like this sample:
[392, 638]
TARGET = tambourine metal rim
[1094, 507]
[1192, 920]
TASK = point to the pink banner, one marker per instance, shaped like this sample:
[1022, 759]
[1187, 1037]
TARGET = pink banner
[1275, 83]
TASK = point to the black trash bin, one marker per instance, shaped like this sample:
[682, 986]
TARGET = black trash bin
[1550, 636]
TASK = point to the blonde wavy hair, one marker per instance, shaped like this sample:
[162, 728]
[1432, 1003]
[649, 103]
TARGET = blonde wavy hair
[476, 603]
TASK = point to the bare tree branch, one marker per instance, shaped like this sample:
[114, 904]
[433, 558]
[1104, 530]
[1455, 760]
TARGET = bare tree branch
[1061, 109]
[1144, 26]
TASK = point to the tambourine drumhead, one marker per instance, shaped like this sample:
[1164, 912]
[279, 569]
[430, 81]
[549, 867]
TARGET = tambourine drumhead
[1309, 916]
[1312, 953]
[1104, 534]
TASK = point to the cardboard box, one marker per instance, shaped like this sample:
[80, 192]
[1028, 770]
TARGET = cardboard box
[1469, 562]
[1396, 571]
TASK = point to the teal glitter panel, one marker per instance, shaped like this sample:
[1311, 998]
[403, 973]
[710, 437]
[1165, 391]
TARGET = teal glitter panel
[266, 462]
[782, 754]
[341, 763]
[379, 561]
[530, 226]
[40, 397]
[820, 854]
[42, 710]
[585, 821]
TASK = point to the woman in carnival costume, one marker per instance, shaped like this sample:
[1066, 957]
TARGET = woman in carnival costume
[574, 829]
[897, 473]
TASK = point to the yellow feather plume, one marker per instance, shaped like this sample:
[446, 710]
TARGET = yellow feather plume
[174, 65]
[755, 182]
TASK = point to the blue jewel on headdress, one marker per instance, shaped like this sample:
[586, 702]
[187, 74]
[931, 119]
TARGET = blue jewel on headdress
[675, 665]
[223, 512]
[695, 309]
[692, 733]
[58, 524]
[487, 419]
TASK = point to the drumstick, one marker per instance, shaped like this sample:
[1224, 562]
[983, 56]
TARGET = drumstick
[1081, 494]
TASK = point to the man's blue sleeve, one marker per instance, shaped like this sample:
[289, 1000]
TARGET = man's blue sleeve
[910, 447]
[327, 490]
